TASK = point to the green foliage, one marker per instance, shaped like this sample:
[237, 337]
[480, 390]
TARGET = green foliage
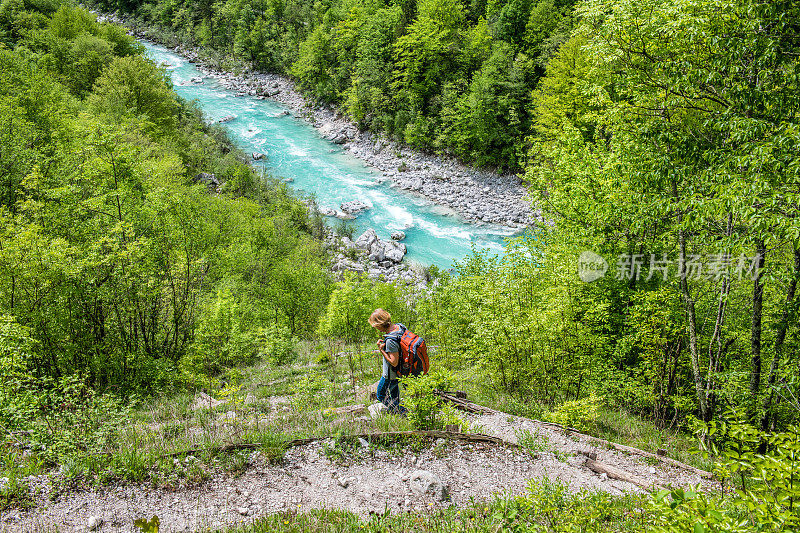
[547, 506]
[221, 340]
[68, 420]
[147, 526]
[767, 496]
[17, 401]
[344, 228]
[424, 407]
[534, 442]
[631, 154]
[579, 414]
[277, 344]
[112, 261]
[353, 301]
[311, 392]
[551, 506]
[133, 88]
[528, 329]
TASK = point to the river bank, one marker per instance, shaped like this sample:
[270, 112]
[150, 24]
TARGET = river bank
[478, 196]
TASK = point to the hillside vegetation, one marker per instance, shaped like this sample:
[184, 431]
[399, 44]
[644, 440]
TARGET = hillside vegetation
[118, 272]
[659, 139]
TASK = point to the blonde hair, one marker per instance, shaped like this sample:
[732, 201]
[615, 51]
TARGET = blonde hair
[380, 319]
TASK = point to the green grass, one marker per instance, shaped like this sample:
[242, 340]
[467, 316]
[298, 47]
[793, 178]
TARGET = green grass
[618, 426]
[266, 405]
[612, 424]
[548, 506]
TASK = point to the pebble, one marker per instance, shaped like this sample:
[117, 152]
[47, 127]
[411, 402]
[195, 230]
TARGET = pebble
[425, 483]
[94, 522]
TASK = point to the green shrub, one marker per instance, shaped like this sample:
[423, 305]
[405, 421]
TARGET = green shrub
[344, 228]
[277, 345]
[579, 414]
[353, 301]
[222, 340]
[424, 407]
[65, 420]
[311, 391]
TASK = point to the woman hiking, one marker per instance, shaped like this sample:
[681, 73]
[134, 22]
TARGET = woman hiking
[389, 345]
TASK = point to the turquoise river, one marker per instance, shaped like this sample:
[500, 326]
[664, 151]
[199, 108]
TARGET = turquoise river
[314, 165]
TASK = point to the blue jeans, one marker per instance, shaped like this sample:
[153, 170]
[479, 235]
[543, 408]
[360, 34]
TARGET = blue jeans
[389, 394]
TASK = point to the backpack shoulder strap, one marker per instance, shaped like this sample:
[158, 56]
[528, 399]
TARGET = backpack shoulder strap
[396, 335]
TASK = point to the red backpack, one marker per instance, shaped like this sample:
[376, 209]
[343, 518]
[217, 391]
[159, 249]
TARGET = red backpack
[413, 354]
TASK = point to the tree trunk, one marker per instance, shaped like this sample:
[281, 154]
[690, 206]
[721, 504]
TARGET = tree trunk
[715, 355]
[780, 337]
[691, 326]
[755, 325]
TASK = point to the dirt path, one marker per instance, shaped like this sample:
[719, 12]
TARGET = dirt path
[361, 478]
[576, 448]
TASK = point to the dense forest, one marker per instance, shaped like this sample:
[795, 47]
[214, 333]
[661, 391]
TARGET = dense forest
[114, 263]
[447, 76]
[659, 139]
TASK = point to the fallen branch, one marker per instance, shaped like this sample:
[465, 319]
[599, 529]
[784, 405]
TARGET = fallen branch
[616, 473]
[463, 403]
[370, 437]
[480, 409]
[346, 410]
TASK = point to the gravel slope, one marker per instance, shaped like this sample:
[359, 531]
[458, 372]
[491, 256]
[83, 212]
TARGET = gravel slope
[368, 480]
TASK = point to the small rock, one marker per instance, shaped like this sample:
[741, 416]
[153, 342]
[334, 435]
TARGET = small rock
[354, 207]
[398, 235]
[343, 482]
[376, 409]
[244, 511]
[652, 470]
[258, 156]
[424, 482]
[363, 442]
[94, 522]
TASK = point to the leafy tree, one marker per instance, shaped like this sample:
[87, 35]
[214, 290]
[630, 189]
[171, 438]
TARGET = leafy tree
[132, 88]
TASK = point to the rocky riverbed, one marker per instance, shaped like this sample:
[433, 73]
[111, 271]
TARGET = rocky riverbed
[478, 196]
[368, 254]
